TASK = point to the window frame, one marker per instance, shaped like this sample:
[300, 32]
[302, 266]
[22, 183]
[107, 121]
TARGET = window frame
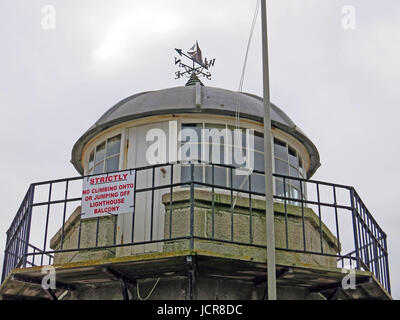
[90, 170]
[300, 173]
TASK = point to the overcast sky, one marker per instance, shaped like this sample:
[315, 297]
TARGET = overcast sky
[340, 86]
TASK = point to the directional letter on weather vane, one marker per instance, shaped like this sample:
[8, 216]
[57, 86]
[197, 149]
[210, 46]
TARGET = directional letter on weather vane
[198, 65]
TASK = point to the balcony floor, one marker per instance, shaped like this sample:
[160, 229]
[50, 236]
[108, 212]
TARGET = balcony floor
[25, 283]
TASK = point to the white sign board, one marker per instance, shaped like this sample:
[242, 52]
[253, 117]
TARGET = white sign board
[108, 194]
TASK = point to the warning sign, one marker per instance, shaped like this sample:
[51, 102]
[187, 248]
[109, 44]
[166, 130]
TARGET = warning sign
[108, 194]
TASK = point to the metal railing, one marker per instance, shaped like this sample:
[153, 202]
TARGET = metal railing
[360, 242]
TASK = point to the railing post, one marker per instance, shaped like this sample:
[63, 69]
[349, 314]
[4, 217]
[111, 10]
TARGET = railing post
[387, 266]
[191, 206]
[353, 210]
[30, 203]
[5, 260]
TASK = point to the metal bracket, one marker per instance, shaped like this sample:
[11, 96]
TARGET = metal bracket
[123, 279]
[191, 265]
[51, 294]
[279, 274]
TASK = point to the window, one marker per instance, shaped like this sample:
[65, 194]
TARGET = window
[105, 156]
[213, 144]
[287, 160]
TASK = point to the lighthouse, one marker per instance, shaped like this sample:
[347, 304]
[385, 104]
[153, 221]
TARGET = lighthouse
[171, 205]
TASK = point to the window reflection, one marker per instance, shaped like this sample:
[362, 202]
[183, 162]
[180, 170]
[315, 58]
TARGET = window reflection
[113, 146]
[100, 152]
[105, 156]
[287, 161]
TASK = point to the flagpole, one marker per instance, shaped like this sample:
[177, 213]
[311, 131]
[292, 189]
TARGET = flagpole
[269, 204]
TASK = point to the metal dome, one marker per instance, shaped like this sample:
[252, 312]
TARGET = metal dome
[183, 100]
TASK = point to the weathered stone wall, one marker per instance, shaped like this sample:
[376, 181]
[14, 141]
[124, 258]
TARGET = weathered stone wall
[87, 239]
[243, 238]
[247, 244]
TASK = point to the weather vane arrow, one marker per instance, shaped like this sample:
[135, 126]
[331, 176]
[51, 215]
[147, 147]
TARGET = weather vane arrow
[198, 66]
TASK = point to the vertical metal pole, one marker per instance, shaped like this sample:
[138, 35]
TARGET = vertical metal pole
[213, 201]
[232, 209]
[31, 197]
[355, 228]
[152, 203]
[134, 209]
[64, 213]
[191, 206]
[47, 222]
[5, 261]
[269, 205]
[171, 190]
[251, 213]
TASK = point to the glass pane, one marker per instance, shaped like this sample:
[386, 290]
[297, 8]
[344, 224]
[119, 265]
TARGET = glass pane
[293, 157]
[188, 136]
[294, 193]
[190, 152]
[280, 149]
[219, 175]
[301, 173]
[293, 172]
[295, 183]
[279, 188]
[215, 134]
[198, 173]
[216, 153]
[258, 142]
[91, 160]
[98, 168]
[113, 145]
[258, 183]
[259, 161]
[100, 152]
[281, 167]
[300, 189]
[240, 181]
[112, 164]
[238, 140]
[239, 157]
[185, 173]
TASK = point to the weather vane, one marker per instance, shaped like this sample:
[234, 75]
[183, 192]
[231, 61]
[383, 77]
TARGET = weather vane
[198, 68]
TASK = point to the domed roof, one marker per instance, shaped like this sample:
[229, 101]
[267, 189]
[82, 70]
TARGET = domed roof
[183, 100]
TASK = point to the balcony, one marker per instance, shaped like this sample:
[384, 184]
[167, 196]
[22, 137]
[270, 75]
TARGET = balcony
[320, 231]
